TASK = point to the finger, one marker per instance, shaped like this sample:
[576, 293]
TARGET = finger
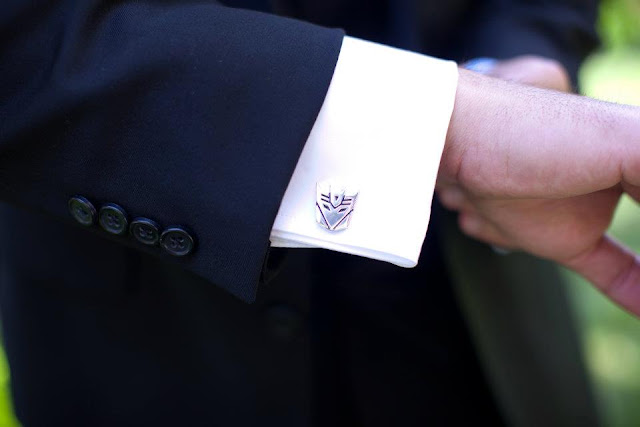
[614, 269]
[534, 71]
[452, 197]
[477, 227]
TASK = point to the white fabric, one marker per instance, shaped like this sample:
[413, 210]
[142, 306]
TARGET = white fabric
[381, 130]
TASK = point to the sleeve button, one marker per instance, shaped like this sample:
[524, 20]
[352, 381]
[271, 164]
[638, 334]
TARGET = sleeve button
[145, 231]
[113, 219]
[82, 210]
[176, 241]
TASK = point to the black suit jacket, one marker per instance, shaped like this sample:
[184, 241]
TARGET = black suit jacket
[195, 113]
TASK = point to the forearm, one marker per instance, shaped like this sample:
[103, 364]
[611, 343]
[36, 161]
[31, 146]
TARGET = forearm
[573, 144]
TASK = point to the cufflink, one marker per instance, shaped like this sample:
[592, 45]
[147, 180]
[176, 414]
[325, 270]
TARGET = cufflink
[334, 206]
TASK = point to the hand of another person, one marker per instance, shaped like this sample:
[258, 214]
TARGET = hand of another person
[534, 71]
[542, 171]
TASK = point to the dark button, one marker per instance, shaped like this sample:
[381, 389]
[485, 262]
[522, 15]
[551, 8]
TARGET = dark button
[82, 210]
[283, 322]
[176, 241]
[113, 219]
[145, 231]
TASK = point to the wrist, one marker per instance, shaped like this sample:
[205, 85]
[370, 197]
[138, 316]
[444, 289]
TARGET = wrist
[462, 118]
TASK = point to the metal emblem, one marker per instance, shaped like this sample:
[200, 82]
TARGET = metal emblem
[334, 206]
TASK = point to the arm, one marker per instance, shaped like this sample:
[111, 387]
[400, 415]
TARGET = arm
[118, 108]
[162, 108]
[549, 179]
[569, 231]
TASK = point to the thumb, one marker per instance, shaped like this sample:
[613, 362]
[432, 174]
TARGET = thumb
[527, 69]
[614, 269]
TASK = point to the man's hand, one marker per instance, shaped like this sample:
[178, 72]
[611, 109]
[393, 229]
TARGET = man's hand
[542, 171]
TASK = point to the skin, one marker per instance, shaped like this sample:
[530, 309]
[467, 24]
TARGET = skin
[540, 171]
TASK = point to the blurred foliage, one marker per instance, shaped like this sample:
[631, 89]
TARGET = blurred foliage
[610, 335]
[7, 419]
[618, 23]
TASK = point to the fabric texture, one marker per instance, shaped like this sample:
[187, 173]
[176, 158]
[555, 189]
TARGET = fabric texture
[381, 131]
[162, 108]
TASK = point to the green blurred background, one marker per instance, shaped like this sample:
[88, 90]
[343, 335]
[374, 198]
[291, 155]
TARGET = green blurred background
[610, 336]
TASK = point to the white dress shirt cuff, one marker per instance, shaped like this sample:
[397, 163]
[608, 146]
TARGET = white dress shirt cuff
[381, 130]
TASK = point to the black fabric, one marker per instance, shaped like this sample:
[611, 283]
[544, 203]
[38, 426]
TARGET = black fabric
[194, 113]
[562, 30]
[391, 347]
[162, 108]
[101, 335]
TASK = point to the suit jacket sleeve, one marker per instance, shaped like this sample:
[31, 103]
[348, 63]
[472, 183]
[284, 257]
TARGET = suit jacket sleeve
[560, 29]
[186, 113]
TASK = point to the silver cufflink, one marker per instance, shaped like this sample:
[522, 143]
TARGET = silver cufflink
[334, 206]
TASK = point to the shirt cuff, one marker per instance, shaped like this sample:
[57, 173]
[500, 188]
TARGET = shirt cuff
[381, 130]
